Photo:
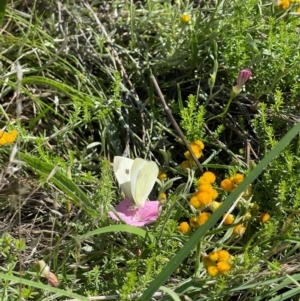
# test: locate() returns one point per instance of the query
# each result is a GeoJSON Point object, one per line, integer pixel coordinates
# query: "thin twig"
{"type": "Point", "coordinates": [176, 126]}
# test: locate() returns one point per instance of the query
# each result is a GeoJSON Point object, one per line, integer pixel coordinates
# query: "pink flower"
{"type": "Point", "coordinates": [242, 78]}
{"type": "Point", "coordinates": [140, 216]}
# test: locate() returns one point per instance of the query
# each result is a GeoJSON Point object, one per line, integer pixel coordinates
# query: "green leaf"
{"type": "Point", "coordinates": [61, 181]}
{"type": "Point", "coordinates": [119, 228]}
{"type": "Point", "coordinates": [197, 236]}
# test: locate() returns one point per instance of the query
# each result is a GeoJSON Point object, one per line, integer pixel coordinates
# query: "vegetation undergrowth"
{"type": "Point", "coordinates": [77, 90]}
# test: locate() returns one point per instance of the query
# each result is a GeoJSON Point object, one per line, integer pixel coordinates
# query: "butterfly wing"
{"type": "Point", "coordinates": [143, 177]}
{"type": "Point", "coordinates": [122, 170]}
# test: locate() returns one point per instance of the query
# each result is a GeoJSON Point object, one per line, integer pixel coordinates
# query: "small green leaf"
{"type": "Point", "coordinates": [119, 228]}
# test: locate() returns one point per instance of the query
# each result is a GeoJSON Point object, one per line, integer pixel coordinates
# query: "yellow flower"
{"type": "Point", "coordinates": [211, 178]}
{"type": "Point", "coordinates": [203, 217]}
{"type": "Point", "coordinates": [187, 164]}
{"type": "Point", "coordinates": [184, 228]}
{"type": "Point", "coordinates": [214, 194]}
{"type": "Point", "coordinates": [204, 198]}
{"type": "Point", "coordinates": [213, 206]}
{"type": "Point", "coordinates": [239, 230]}
{"type": "Point", "coordinates": [223, 255]}
{"type": "Point", "coordinates": [199, 144]}
{"type": "Point", "coordinates": [195, 149]}
{"type": "Point", "coordinates": [202, 181]}
{"type": "Point", "coordinates": [298, 10]}
{"type": "Point", "coordinates": [206, 187]}
{"type": "Point", "coordinates": [226, 185]}
{"type": "Point", "coordinates": [223, 267]}
{"type": "Point", "coordinates": [162, 175]}
{"type": "Point", "coordinates": [237, 179]}
{"type": "Point", "coordinates": [195, 202]}
{"type": "Point", "coordinates": [209, 189]}
{"type": "Point", "coordinates": [284, 4]}
{"type": "Point", "coordinates": [213, 271]}
{"type": "Point", "coordinates": [229, 219]}
{"type": "Point", "coordinates": [194, 222]}
{"type": "Point", "coordinates": [8, 138]}
{"type": "Point", "coordinates": [264, 217]}
{"type": "Point", "coordinates": [185, 18]}
{"type": "Point", "coordinates": [162, 197]}
{"type": "Point", "coordinates": [207, 262]}
{"type": "Point", "coordinates": [213, 256]}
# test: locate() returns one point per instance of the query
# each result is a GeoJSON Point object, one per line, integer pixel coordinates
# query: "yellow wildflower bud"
{"type": "Point", "coordinates": [239, 230]}
{"type": "Point", "coordinates": [227, 185]}
{"type": "Point", "coordinates": [162, 197]}
{"type": "Point", "coordinates": [207, 262]}
{"type": "Point", "coordinates": [203, 217]}
{"type": "Point", "coordinates": [204, 198]}
{"type": "Point", "coordinates": [284, 4]}
{"type": "Point", "coordinates": [184, 228]}
{"type": "Point", "coordinates": [213, 256]}
{"type": "Point", "coordinates": [162, 175]}
{"type": "Point", "coordinates": [264, 217]}
{"type": "Point", "coordinates": [185, 18]}
{"type": "Point", "coordinates": [223, 267]}
{"type": "Point", "coordinates": [223, 255]}
{"type": "Point", "coordinates": [197, 152]}
{"type": "Point", "coordinates": [194, 222]}
{"type": "Point", "coordinates": [213, 271]}
{"type": "Point", "coordinates": [210, 176]}
{"type": "Point", "coordinates": [195, 202]}
{"type": "Point", "coordinates": [229, 219]}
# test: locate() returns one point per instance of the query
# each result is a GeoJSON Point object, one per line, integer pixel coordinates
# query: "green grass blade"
{"type": "Point", "coordinates": [197, 236]}
{"type": "Point", "coordinates": [61, 181]}
{"type": "Point", "coordinates": [119, 228]}
{"type": "Point", "coordinates": [43, 287]}
{"type": "Point", "coordinates": [2, 10]}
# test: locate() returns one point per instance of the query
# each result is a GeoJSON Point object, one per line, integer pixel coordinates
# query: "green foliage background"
{"type": "Point", "coordinates": [75, 83]}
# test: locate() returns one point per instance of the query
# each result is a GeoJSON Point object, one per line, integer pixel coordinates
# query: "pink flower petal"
{"type": "Point", "coordinates": [140, 216]}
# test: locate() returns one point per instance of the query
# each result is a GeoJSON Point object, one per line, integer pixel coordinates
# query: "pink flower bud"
{"type": "Point", "coordinates": [242, 78]}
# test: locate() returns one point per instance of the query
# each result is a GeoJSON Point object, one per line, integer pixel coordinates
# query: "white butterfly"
{"type": "Point", "coordinates": [136, 178]}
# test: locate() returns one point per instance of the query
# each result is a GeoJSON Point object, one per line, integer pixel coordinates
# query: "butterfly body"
{"type": "Point", "coordinates": [136, 178]}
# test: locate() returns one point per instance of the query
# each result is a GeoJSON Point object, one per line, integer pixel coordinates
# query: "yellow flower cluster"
{"type": "Point", "coordinates": [217, 262]}
{"type": "Point", "coordinates": [205, 199]}
{"type": "Point", "coordinates": [197, 148]}
{"type": "Point", "coordinates": [8, 138]}
{"type": "Point", "coordinates": [205, 193]}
